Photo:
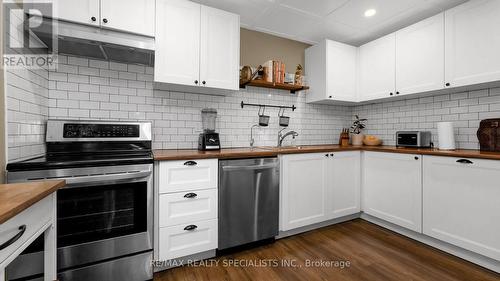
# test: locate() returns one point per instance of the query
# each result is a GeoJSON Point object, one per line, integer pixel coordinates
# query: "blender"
{"type": "Point", "coordinates": [209, 139]}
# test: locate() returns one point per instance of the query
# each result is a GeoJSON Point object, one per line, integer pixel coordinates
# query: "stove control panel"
{"type": "Point", "coordinates": [100, 131]}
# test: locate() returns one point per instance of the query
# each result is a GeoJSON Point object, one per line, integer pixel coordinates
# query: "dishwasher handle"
{"type": "Point", "coordinates": [249, 168]}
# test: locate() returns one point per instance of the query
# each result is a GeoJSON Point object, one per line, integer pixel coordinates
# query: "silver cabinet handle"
{"type": "Point", "coordinates": [190, 163]}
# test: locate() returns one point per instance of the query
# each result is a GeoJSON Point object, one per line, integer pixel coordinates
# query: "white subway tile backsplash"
{"type": "Point", "coordinates": [81, 89]}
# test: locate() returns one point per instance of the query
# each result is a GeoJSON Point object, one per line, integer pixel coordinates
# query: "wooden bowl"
{"type": "Point", "coordinates": [372, 141]}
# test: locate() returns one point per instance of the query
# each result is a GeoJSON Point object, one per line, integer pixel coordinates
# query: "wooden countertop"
{"type": "Point", "coordinates": [232, 153]}
{"type": "Point", "coordinates": [16, 197]}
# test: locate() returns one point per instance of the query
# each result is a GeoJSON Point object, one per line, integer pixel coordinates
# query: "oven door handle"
{"type": "Point", "coordinates": [108, 177]}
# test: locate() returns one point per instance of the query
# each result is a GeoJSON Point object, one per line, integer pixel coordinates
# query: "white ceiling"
{"type": "Point", "coordinates": [340, 20]}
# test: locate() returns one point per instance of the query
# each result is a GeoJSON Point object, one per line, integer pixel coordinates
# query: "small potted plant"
{"type": "Point", "coordinates": [357, 126]}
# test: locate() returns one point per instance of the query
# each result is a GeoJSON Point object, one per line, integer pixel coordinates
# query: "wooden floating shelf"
{"type": "Point", "coordinates": [263, 84]}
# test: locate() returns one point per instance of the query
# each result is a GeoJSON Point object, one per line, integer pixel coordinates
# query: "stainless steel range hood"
{"type": "Point", "coordinates": [95, 42]}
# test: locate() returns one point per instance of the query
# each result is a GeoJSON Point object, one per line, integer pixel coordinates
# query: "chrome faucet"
{"type": "Point", "coordinates": [282, 137]}
{"type": "Point", "coordinates": [252, 140]}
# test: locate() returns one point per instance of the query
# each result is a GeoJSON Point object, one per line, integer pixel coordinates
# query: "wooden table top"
{"type": "Point", "coordinates": [233, 153]}
{"type": "Point", "coordinates": [16, 197]}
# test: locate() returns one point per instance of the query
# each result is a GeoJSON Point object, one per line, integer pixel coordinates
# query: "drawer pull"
{"type": "Point", "coordinates": [190, 195]}
{"type": "Point", "coordinates": [9, 242]}
{"type": "Point", "coordinates": [190, 227]}
{"type": "Point", "coordinates": [190, 163]}
{"type": "Point", "coordinates": [464, 161]}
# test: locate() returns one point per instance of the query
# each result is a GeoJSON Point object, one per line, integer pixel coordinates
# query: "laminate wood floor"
{"type": "Point", "coordinates": [374, 253]}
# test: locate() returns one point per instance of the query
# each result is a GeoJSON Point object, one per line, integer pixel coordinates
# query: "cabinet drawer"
{"type": "Point", "coordinates": [177, 241]}
{"type": "Point", "coordinates": [183, 207]}
{"type": "Point", "coordinates": [31, 220]}
{"type": "Point", "coordinates": [176, 176]}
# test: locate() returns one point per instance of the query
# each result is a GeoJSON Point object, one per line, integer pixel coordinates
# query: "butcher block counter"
{"type": "Point", "coordinates": [234, 153]}
{"type": "Point", "coordinates": [28, 210]}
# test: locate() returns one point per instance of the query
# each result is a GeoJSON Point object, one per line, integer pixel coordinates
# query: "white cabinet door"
{"type": "Point", "coordinates": [220, 49]}
{"type": "Point", "coordinates": [79, 11]}
{"type": "Point", "coordinates": [377, 68]}
{"type": "Point", "coordinates": [392, 188]}
{"type": "Point", "coordinates": [461, 203]}
{"type": "Point", "coordinates": [331, 70]}
{"type": "Point", "coordinates": [343, 191]}
{"type": "Point", "coordinates": [303, 189]}
{"type": "Point", "coordinates": [129, 15]}
{"type": "Point", "coordinates": [177, 40]}
{"type": "Point", "coordinates": [472, 41]}
{"type": "Point", "coordinates": [341, 71]}
{"type": "Point", "coordinates": [420, 56]}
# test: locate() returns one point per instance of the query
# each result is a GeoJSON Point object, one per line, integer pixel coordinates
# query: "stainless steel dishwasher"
{"type": "Point", "coordinates": [248, 201]}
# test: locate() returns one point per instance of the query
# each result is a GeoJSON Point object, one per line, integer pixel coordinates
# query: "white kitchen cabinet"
{"type": "Point", "coordinates": [177, 58]}
{"type": "Point", "coordinates": [129, 15]}
{"type": "Point", "coordinates": [472, 41]}
{"type": "Point", "coordinates": [461, 203]}
{"type": "Point", "coordinates": [303, 189]}
{"type": "Point", "coordinates": [124, 15]}
{"type": "Point", "coordinates": [78, 11]}
{"type": "Point", "coordinates": [331, 70]}
{"type": "Point", "coordinates": [317, 187]}
{"type": "Point", "coordinates": [187, 239]}
{"type": "Point", "coordinates": [377, 68]}
{"type": "Point", "coordinates": [183, 207]}
{"type": "Point", "coordinates": [343, 184]}
{"type": "Point", "coordinates": [186, 207]}
{"type": "Point", "coordinates": [392, 188]}
{"type": "Point", "coordinates": [177, 176]}
{"type": "Point", "coordinates": [220, 49]}
{"type": "Point", "coordinates": [196, 46]}
{"type": "Point", "coordinates": [420, 56]}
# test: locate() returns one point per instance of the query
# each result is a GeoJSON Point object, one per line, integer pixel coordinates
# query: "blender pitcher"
{"type": "Point", "coordinates": [208, 117]}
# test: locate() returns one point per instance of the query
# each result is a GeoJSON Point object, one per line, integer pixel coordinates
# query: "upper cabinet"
{"type": "Point", "coordinates": [79, 11]}
{"type": "Point", "coordinates": [472, 43]}
{"type": "Point", "coordinates": [220, 49]}
{"type": "Point", "coordinates": [331, 70]}
{"type": "Point", "coordinates": [420, 57]}
{"type": "Point", "coordinates": [129, 15]}
{"type": "Point", "coordinates": [377, 68]}
{"type": "Point", "coordinates": [177, 58]}
{"type": "Point", "coordinates": [197, 46]}
{"type": "Point", "coordinates": [125, 15]}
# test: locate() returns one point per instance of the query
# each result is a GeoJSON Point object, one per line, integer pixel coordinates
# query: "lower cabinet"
{"type": "Point", "coordinates": [316, 187]}
{"type": "Point", "coordinates": [461, 203]}
{"type": "Point", "coordinates": [344, 179]}
{"type": "Point", "coordinates": [187, 207]}
{"type": "Point", "coordinates": [392, 188]}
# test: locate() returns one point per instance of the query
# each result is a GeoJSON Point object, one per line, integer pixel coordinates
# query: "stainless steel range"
{"type": "Point", "coordinates": [105, 213]}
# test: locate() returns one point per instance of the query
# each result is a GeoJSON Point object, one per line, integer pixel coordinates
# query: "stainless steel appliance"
{"type": "Point", "coordinates": [248, 201]}
{"type": "Point", "coordinates": [105, 213]}
{"type": "Point", "coordinates": [421, 139]}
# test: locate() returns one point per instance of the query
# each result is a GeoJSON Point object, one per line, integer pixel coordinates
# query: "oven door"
{"type": "Point", "coordinates": [103, 213]}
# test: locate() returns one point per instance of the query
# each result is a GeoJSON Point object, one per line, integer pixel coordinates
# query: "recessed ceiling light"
{"type": "Point", "coordinates": [370, 13]}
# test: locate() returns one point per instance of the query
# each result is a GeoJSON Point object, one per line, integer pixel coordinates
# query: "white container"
{"type": "Point", "coordinates": [446, 136]}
